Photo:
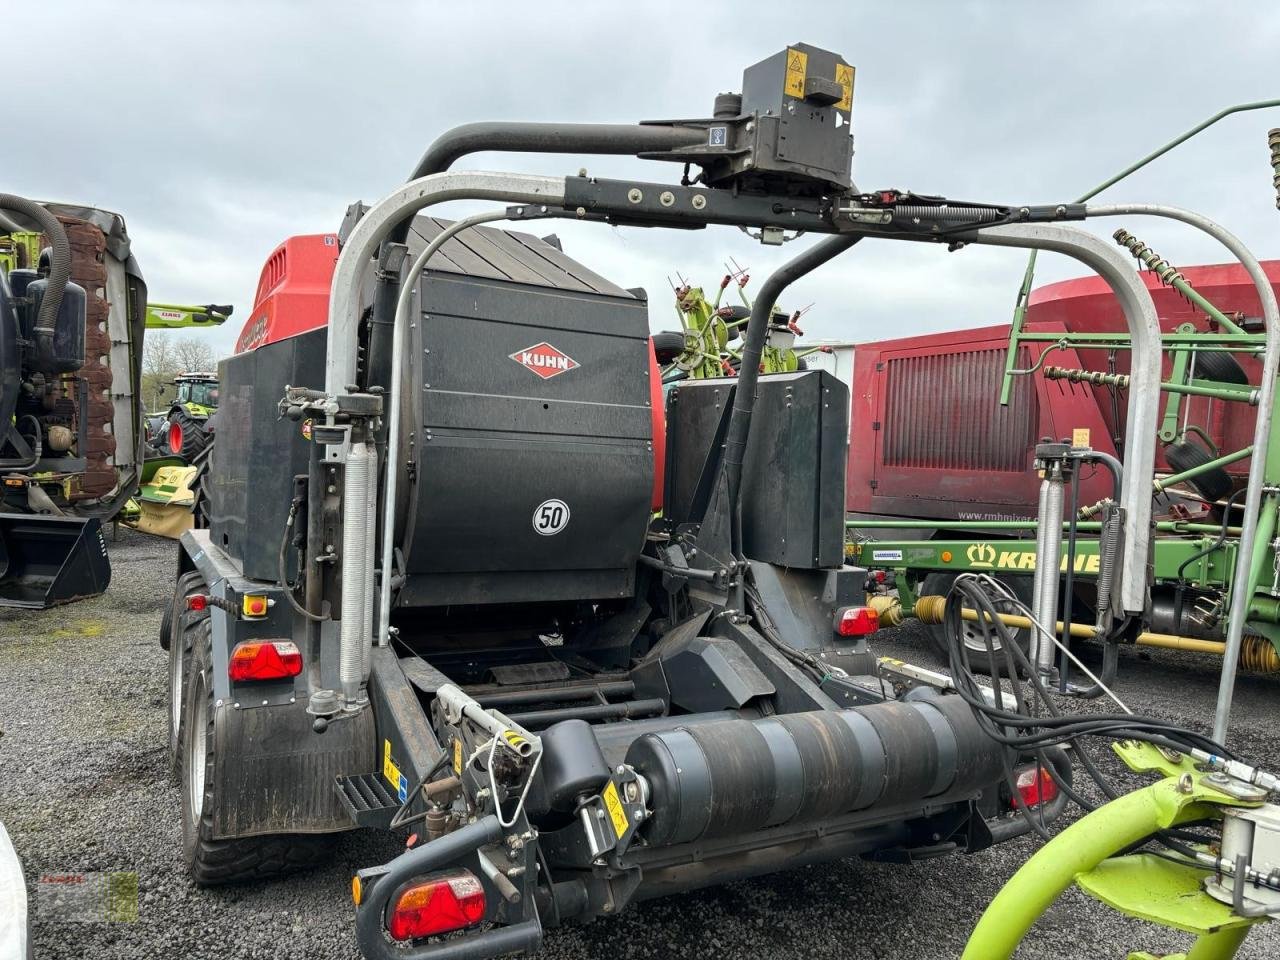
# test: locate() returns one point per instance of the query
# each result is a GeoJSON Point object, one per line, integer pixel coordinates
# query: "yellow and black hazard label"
{"type": "Point", "coordinates": [457, 755]}
{"type": "Point", "coordinates": [844, 77]}
{"type": "Point", "coordinates": [514, 740]}
{"type": "Point", "coordinates": [613, 803]}
{"type": "Point", "coordinates": [797, 67]}
{"type": "Point", "coordinates": [1080, 437]}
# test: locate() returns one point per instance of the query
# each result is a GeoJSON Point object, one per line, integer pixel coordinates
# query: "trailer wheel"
{"type": "Point", "coordinates": [200, 486]}
{"type": "Point", "coordinates": [178, 630]}
{"type": "Point", "coordinates": [214, 862]}
{"type": "Point", "coordinates": [940, 583]}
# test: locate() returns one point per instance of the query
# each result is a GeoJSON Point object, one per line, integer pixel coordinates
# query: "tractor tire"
{"type": "Point", "coordinates": [979, 659]}
{"type": "Point", "coordinates": [1213, 484]}
{"type": "Point", "coordinates": [1219, 367]}
{"type": "Point", "coordinates": [200, 487]}
{"type": "Point", "coordinates": [212, 862]}
{"type": "Point", "coordinates": [178, 631]}
{"type": "Point", "coordinates": [194, 435]}
{"type": "Point", "coordinates": [668, 345]}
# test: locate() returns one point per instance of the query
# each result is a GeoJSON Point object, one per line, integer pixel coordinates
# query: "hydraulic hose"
{"type": "Point", "coordinates": [59, 268]}
{"type": "Point", "coordinates": [744, 397]}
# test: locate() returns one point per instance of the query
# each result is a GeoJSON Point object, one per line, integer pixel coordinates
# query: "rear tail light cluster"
{"type": "Point", "coordinates": [856, 621]}
{"type": "Point", "coordinates": [264, 660]}
{"type": "Point", "coordinates": [438, 905]}
{"type": "Point", "coordinates": [1035, 786]}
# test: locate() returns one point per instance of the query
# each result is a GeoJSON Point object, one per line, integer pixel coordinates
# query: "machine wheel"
{"type": "Point", "coordinates": [668, 345]}
{"type": "Point", "coordinates": [1213, 484]}
{"type": "Point", "coordinates": [1219, 367]}
{"type": "Point", "coordinates": [200, 486]}
{"type": "Point", "coordinates": [187, 436]}
{"type": "Point", "coordinates": [178, 630]}
{"type": "Point", "coordinates": [213, 862]}
{"type": "Point", "coordinates": [940, 583]}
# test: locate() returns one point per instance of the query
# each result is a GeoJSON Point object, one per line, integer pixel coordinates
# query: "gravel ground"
{"type": "Point", "coordinates": [83, 787]}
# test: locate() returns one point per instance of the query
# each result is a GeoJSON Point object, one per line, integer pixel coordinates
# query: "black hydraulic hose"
{"type": "Point", "coordinates": [59, 267]}
{"type": "Point", "coordinates": [8, 226]}
{"type": "Point", "coordinates": [744, 397]}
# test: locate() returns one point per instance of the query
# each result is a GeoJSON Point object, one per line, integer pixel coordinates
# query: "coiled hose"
{"type": "Point", "coordinates": [59, 268]}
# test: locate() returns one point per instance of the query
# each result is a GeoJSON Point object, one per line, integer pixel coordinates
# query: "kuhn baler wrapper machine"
{"type": "Point", "coordinates": [434, 593]}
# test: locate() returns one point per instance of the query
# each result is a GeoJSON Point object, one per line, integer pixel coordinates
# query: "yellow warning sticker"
{"type": "Point", "coordinates": [390, 772]}
{"type": "Point", "coordinates": [457, 756]}
{"type": "Point", "coordinates": [613, 803]}
{"type": "Point", "coordinates": [1080, 437]}
{"type": "Point", "coordinates": [844, 77]}
{"type": "Point", "coordinates": [797, 66]}
{"type": "Point", "coordinates": [514, 740]}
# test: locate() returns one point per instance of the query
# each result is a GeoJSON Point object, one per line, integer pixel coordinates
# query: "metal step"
{"type": "Point", "coordinates": [367, 800]}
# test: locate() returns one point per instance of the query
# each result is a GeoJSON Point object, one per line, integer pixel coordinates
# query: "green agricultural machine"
{"type": "Point", "coordinates": [703, 347]}
{"type": "Point", "coordinates": [188, 430]}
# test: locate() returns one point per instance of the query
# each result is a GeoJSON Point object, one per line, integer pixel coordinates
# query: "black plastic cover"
{"type": "Point", "coordinates": [68, 330]}
{"type": "Point", "coordinates": [794, 469]}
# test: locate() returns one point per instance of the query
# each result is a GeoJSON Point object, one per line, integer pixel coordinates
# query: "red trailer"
{"type": "Point", "coordinates": [930, 440]}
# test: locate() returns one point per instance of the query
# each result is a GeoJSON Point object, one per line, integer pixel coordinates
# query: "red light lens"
{"type": "Point", "coordinates": [439, 905]}
{"type": "Point", "coordinates": [856, 621]}
{"type": "Point", "coordinates": [175, 437]}
{"type": "Point", "coordinates": [264, 660]}
{"type": "Point", "coordinates": [1035, 785]}
{"type": "Point", "coordinates": [197, 602]}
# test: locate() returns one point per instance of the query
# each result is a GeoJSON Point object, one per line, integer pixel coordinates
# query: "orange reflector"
{"type": "Point", "coordinates": [856, 621]}
{"type": "Point", "coordinates": [357, 890]}
{"type": "Point", "coordinates": [1035, 785]}
{"type": "Point", "coordinates": [438, 905]}
{"type": "Point", "coordinates": [946, 556]}
{"type": "Point", "coordinates": [264, 660]}
{"type": "Point", "coordinates": [14, 482]}
{"type": "Point", "coordinates": [255, 605]}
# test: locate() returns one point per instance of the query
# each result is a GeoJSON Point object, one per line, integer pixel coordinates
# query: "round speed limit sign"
{"type": "Point", "coordinates": [550, 517]}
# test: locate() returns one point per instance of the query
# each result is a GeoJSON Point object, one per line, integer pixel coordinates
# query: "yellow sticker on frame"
{"type": "Point", "coordinates": [844, 77]}
{"type": "Point", "coordinates": [797, 67]}
{"type": "Point", "coordinates": [613, 803]}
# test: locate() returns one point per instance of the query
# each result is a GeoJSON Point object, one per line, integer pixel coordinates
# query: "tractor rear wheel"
{"type": "Point", "coordinates": [210, 861]}
{"type": "Point", "coordinates": [187, 436]}
{"type": "Point", "coordinates": [981, 661]}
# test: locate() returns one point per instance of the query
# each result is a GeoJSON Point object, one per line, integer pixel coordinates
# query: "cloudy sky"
{"type": "Point", "coordinates": [220, 127]}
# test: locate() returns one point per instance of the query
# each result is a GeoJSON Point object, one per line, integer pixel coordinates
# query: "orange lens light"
{"type": "Point", "coordinates": [946, 556]}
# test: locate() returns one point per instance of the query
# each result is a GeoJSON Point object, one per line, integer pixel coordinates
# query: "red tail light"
{"type": "Point", "coordinates": [438, 905]}
{"type": "Point", "coordinates": [264, 660]}
{"type": "Point", "coordinates": [1035, 785]}
{"type": "Point", "coordinates": [175, 437]}
{"type": "Point", "coordinates": [856, 621]}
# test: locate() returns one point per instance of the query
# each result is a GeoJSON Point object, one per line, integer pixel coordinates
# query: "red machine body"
{"type": "Point", "coordinates": [293, 291]}
{"type": "Point", "coordinates": [929, 439]}
{"type": "Point", "coordinates": [293, 297]}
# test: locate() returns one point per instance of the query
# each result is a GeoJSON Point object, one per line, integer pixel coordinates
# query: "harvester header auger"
{"type": "Point", "coordinates": [479, 578]}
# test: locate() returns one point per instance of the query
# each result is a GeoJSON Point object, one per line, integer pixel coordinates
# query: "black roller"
{"type": "Point", "coordinates": [737, 776]}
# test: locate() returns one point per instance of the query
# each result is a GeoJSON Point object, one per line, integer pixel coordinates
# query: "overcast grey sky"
{"type": "Point", "coordinates": [219, 128]}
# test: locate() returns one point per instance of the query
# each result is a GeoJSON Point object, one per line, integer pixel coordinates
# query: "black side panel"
{"type": "Point", "coordinates": [794, 471]}
{"type": "Point", "coordinates": [257, 454]}
{"type": "Point", "coordinates": [523, 396]}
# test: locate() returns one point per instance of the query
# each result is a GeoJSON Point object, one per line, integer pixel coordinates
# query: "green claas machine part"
{"type": "Point", "coordinates": [703, 347]}
{"type": "Point", "coordinates": [188, 431]}
{"type": "Point", "coordinates": [1215, 890]}
{"type": "Point", "coordinates": [173, 316]}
